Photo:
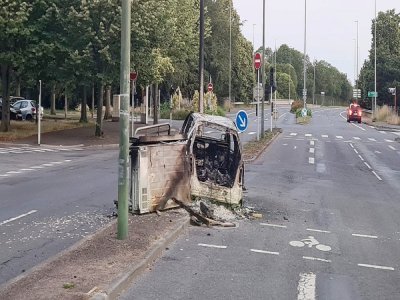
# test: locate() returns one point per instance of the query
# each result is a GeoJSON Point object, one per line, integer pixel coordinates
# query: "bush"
{"type": "Point", "coordinates": [296, 104]}
{"type": "Point", "coordinates": [298, 113]}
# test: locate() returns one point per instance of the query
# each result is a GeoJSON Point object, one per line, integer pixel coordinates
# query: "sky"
{"type": "Point", "coordinates": [331, 27]}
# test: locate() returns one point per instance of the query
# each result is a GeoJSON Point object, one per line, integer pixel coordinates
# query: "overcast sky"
{"type": "Point", "coordinates": [331, 27]}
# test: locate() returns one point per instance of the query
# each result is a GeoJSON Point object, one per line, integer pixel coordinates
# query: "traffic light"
{"type": "Point", "coordinates": [271, 77]}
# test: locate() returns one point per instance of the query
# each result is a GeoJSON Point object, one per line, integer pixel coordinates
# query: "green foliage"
{"type": "Point", "coordinates": [296, 105]}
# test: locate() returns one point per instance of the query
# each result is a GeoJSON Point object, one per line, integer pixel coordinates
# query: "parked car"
{"type": "Point", "coordinates": [26, 109]}
{"type": "Point", "coordinates": [354, 113]}
{"type": "Point", "coordinates": [13, 112]}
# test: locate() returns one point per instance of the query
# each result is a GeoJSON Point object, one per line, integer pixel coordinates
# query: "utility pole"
{"type": "Point", "coordinates": [123, 167]}
{"type": "Point", "coordinates": [263, 73]}
{"type": "Point", "coordinates": [304, 63]}
{"type": "Point", "coordinates": [374, 107]}
{"type": "Point", "coordinates": [230, 52]}
{"type": "Point", "coordinates": [357, 61]}
{"type": "Point", "coordinates": [201, 58]}
{"type": "Point", "coordinates": [313, 92]}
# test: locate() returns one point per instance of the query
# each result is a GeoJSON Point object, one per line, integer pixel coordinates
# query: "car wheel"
{"type": "Point", "coordinates": [348, 120]}
{"type": "Point", "coordinates": [28, 118]}
{"type": "Point", "coordinates": [359, 121]}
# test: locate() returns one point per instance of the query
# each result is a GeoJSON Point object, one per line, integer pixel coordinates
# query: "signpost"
{"type": "Point", "coordinates": [133, 76]}
{"type": "Point", "coordinates": [257, 65]}
{"type": "Point", "coordinates": [372, 94]}
{"type": "Point", "coordinates": [393, 91]}
{"type": "Point", "coordinates": [242, 120]}
{"type": "Point", "coordinates": [210, 87]}
{"type": "Point", "coordinates": [356, 93]}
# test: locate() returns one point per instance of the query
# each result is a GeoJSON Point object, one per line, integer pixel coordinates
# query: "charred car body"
{"type": "Point", "coordinates": [203, 160]}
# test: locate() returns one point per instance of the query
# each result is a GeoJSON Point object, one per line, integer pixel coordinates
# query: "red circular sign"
{"type": "Point", "coordinates": [257, 61]}
{"type": "Point", "coordinates": [210, 87]}
{"type": "Point", "coordinates": [133, 75]}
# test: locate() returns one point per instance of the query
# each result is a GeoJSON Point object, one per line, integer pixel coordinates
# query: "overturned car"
{"type": "Point", "coordinates": [203, 160]}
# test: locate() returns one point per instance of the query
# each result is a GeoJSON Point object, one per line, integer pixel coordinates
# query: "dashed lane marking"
{"type": "Point", "coordinates": [391, 147]}
{"type": "Point", "coordinates": [383, 132]}
{"type": "Point", "coordinates": [361, 157]}
{"type": "Point", "coordinates": [324, 136]}
{"type": "Point", "coordinates": [365, 235]}
{"type": "Point", "coordinates": [376, 267]}
{"type": "Point", "coordinates": [273, 225]}
{"type": "Point", "coordinates": [318, 230]}
{"type": "Point", "coordinates": [264, 252]}
{"type": "Point", "coordinates": [18, 217]}
{"type": "Point", "coordinates": [317, 259]}
{"type": "Point", "coordinates": [311, 160]}
{"type": "Point", "coordinates": [368, 166]}
{"type": "Point", "coordinates": [372, 139]}
{"type": "Point", "coordinates": [308, 134]}
{"type": "Point", "coordinates": [312, 150]}
{"type": "Point", "coordinates": [212, 246]}
{"type": "Point", "coordinates": [356, 138]}
{"type": "Point", "coordinates": [377, 176]}
{"type": "Point", "coordinates": [312, 143]}
{"type": "Point", "coordinates": [339, 137]}
{"type": "Point", "coordinates": [355, 150]}
{"type": "Point", "coordinates": [293, 134]}
{"type": "Point", "coordinates": [389, 141]}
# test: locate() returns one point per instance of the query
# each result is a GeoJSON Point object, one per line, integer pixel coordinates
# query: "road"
{"type": "Point", "coordinates": [329, 195]}
{"type": "Point", "coordinates": [51, 197]}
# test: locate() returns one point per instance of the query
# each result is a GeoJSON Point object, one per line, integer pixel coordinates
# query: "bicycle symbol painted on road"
{"type": "Point", "coordinates": [310, 242]}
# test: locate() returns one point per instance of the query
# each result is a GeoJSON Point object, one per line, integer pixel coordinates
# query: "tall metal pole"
{"type": "Point", "coordinates": [254, 50]}
{"type": "Point", "coordinates": [230, 52]}
{"type": "Point", "coordinates": [123, 167]}
{"type": "Point", "coordinates": [375, 61]}
{"type": "Point", "coordinates": [357, 61]}
{"type": "Point", "coordinates": [263, 73]}
{"type": "Point", "coordinates": [38, 111]}
{"type": "Point", "coordinates": [201, 58]}
{"type": "Point", "coordinates": [313, 92]}
{"type": "Point", "coordinates": [304, 63]}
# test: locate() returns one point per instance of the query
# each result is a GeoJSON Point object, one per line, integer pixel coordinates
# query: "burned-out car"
{"type": "Point", "coordinates": [203, 160]}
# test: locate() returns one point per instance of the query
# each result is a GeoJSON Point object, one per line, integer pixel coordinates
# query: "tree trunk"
{"type": "Point", "coordinates": [83, 107]}
{"type": "Point", "coordinates": [99, 119]}
{"type": "Point", "coordinates": [155, 103]}
{"type": "Point", "coordinates": [65, 105]}
{"type": "Point", "coordinates": [18, 87]}
{"type": "Point", "coordinates": [107, 114]}
{"type": "Point", "coordinates": [5, 84]}
{"type": "Point", "coordinates": [93, 101]}
{"type": "Point", "coordinates": [53, 99]}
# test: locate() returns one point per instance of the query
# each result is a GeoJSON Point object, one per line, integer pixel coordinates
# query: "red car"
{"type": "Point", "coordinates": [354, 113]}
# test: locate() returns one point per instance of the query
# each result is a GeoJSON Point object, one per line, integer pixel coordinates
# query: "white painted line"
{"type": "Point", "coordinates": [391, 147]}
{"type": "Point", "coordinates": [67, 160]}
{"type": "Point", "coordinates": [376, 267]}
{"type": "Point", "coordinates": [252, 132]}
{"type": "Point", "coordinates": [377, 176]}
{"type": "Point", "coordinates": [377, 152]}
{"type": "Point", "coordinates": [372, 139]}
{"type": "Point", "coordinates": [4, 175]}
{"type": "Point", "coordinates": [57, 162]}
{"type": "Point", "coordinates": [306, 286]}
{"type": "Point", "coordinates": [13, 172]}
{"type": "Point", "coordinates": [389, 141]}
{"type": "Point", "coordinates": [318, 230]}
{"type": "Point", "coordinates": [311, 160]}
{"type": "Point", "coordinates": [18, 217]}
{"type": "Point", "coordinates": [312, 150]}
{"type": "Point", "coordinates": [37, 167]}
{"type": "Point", "coordinates": [360, 157]}
{"type": "Point", "coordinates": [27, 170]}
{"type": "Point", "coordinates": [312, 143]}
{"type": "Point", "coordinates": [293, 134]}
{"type": "Point", "coordinates": [371, 127]}
{"type": "Point", "coordinates": [356, 138]}
{"type": "Point", "coordinates": [273, 225]}
{"type": "Point", "coordinates": [265, 252]}
{"type": "Point", "coordinates": [324, 135]}
{"type": "Point", "coordinates": [339, 137]}
{"type": "Point", "coordinates": [383, 132]}
{"type": "Point", "coordinates": [365, 235]}
{"type": "Point", "coordinates": [47, 165]}
{"type": "Point", "coordinates": [363, 129]}
{"type": "Point", "coordinates": [355, 150]}
{"type": "Point", "coordinates": [368, 166]}
{"type": "Point", "coordinates": [212, 246]}
{"type": "Point", "coordinates": [308, 134]}
{"type": "Point", "coordinates": [351, 145]}
{"type": "Point", "coordinates": [317, 259]}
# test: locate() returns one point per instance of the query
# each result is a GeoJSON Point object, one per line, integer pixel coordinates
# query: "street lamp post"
{"type": "Point", "coordinates": [375, 61]}
{"type": "Point", "coordinates": [201, 58]}
{"type": "Point", "coordinates": [313, 92]}
{"type": "Point", "coordinates": [263, 73]}
{"type": "Point", "coordinates": [230, 52]}
{"type": "Point", "coordinates": [356, 82]}
{"type": "Point", "coordinates": [304, 63]}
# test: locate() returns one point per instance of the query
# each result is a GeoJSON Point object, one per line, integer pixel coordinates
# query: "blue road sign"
{"type": "Point", "coordinates": [242, 120]}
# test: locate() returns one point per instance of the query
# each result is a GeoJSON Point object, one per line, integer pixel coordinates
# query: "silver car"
{"type": "Point", "coordinates": [26, 109]}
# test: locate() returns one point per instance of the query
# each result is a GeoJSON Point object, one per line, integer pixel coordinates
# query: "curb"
{"type": "Point", "coordinates": [125, 279]}
{"type": "Point", "coordinates": [263, 149]}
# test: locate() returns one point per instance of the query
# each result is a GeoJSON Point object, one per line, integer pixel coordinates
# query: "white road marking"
{"type": "Point", "coordinates": [265, 252]}
{"type": "Point", "coordinates": [377, 176]}
{"type": "Point", "coordinates": [273, 225]}
{"type": "Point", "coordinates": [376, 267]}
{"type": "Point", "coordinates": [324, 135]}
{"type": "Point", "coordinates": [383, 132]}
{"type": "Point", "coordinates": [355, 150]}
{"type": "Point", "coordinates": [378, 152]}
{"type": "Point", "coordinates": [293, 134]}
{"type": "Point", "coordinates": [339, 137]}
{"type": "Point", "coordinates": [295, 147]}
{"type": "Point", "coordinates": [391, 147]}
{"type": "Point", "coordinates": [371, 126]}
{"type": "Point", "coordinates": [47, 165]}
{"type": "Point", "coordinates": [4, 175]}
{"type": "Point", "coordinates": [363, 129]}
{"type": "Point", "coordinates": [212, 246]}
{"type": "Point", "coordinates": [372, 139]}
{"type": "Point", "coordinates": [67, 160]}
{"type": "Point", "coordinates": [361, 157]}
{"type": "Point", "coordinates": [312, 150]}
{"type": "Point", "coordinates": [351, 145]}
{"type": "Point", "coordinates": [308, 134]}
{"type": "Point", "coordinates": [369, 167]}
{"type": "Point", "coordinates": [284, 144]}
{"type": "Point", "coordinates": [312, 143]}
{"type": "Point", "coordinates": [311, 160]}
{"type": "Point", "coordinates": [27, 170]}
{"type": "Point", "coordinates": [13, 172]}
{"type": "Point", "coordinates": [318, 230]}
{"type": "Point", "coordinates": [306, 286]}
{"type": "Point", "coordinates": [356, 138]}
{"type": "Point", "coordinates": [365, 235]}
{"type": "Point", "coordinates": [317, 259]}
{"type": "Point", "coordinates": [389, 141]}
{"type": "Point", "coordinates": [252, 132]}
{"type": "Point", "coordinates": [18, 217]}
{"type": "Point", "coordinates": [396, 133]}
{"type": "Point", "coordinates": [37, 167]}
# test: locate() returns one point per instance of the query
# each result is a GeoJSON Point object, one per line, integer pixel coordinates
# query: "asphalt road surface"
{"type": "Point", "coordinates": [51, 197]}
{"type": "Point", "coordinates": [329, 195]}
